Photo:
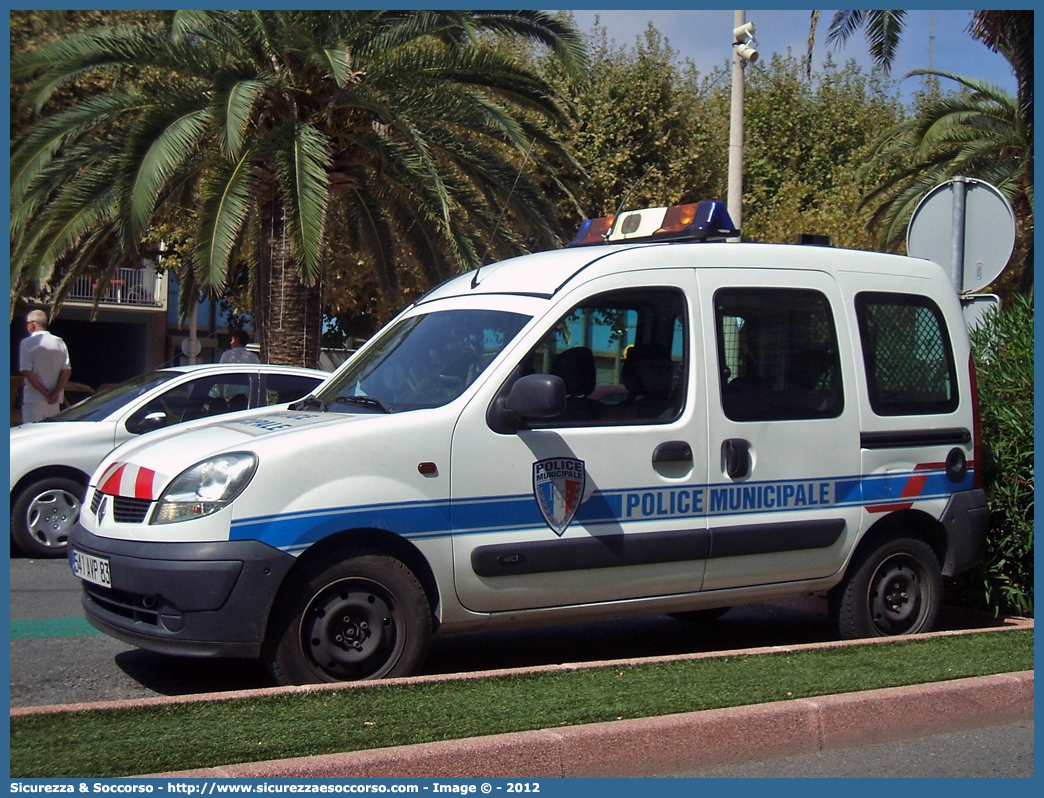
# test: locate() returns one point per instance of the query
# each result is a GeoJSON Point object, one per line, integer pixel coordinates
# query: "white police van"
{"type": "Point", "coordinates": [664, 423]}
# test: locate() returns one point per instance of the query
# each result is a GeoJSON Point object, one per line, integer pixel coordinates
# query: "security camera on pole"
{"type": "Point", "coordinates": [742, 52]}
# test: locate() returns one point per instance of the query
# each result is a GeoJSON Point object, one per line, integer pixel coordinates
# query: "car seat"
{"type": "Point", "coordinates": [648, 374]}
{"type": "Point", "coordinates": [576, 367]}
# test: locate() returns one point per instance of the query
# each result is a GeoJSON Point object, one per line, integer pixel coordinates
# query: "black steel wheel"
{"type": "Point", "coordinates": [366, 617]}
{"type": "Point", "coordinates": [893, 588]}
{"type": "Point", "coordinates": [44, 514]}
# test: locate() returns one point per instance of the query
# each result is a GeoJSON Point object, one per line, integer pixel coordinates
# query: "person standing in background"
{"type": "Point", "coordinates": [43, 360]}
{"type": "Point", "coordinates": [239, 353]}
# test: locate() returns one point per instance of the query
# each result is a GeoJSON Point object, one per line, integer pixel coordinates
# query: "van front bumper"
{"type": "Point", "coordinates": [196, 599]}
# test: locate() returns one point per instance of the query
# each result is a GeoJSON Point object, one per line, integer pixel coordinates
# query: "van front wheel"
{"type": "Point", "coordinates": [891, 589]}
{"type": "Point", "coordinates": [366, 617]}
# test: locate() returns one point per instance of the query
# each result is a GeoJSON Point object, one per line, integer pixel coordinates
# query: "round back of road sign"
{"type": "Point", "coordinates": [970, 210]}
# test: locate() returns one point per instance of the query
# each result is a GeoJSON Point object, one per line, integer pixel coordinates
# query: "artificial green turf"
{"type": "Point", "coordinates": [109, 743]}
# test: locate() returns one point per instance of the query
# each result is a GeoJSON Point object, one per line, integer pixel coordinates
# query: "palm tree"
{"type": "Point", "coordinates": [883, 31]}
{"type": "Point", "coordinates": [246, 126]}
{"type": "Point", "coordinates": [980, 132]}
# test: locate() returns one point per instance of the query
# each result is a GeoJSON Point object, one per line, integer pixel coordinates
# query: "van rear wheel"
{"type": "Point", "coordinates": [891, 589]}
{"type": "Point", "coordinates": [365, 617]}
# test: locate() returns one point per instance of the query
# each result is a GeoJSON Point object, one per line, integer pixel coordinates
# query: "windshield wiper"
{"type": "Point", "coordinates": [308, 403]}
{"type": "Point", "coordinates": [369, 401]}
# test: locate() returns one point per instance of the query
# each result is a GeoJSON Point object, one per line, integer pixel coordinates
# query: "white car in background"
{"type": "Point", "coordinates": [52, 460]}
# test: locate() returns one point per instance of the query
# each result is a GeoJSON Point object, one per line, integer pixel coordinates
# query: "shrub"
{"type": "Point", "coordinates": [1003, 352]}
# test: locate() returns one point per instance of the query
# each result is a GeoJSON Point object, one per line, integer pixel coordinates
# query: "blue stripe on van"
{"type": "Point", "coordinates": [623, 507]}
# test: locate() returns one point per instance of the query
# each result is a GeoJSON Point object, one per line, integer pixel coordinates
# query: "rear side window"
{"type": "Point", "coordinates": [907, 355]}
{"type": "Point", "coordinates": [777, 354]}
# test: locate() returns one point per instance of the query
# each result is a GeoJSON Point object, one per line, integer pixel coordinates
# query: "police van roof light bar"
{"type": "Point", "coordinates": [705, 221]}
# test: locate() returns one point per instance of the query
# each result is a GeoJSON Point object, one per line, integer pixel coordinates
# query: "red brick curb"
{"type": "Point", "coordinates": [676, 743]}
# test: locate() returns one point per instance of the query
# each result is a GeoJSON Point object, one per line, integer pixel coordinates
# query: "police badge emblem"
{"type": "Point", "coordinates": [558, 484]}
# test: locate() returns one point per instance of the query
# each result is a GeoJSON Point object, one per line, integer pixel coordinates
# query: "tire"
{"type": "Point", "coordinates": [365, 617]}
{"type": "Point", "coordinates": [894, 588]}
{"type": "Point", "coordinates": [44, 514]}
{"type": "Point", "coordinates": [700, 616]}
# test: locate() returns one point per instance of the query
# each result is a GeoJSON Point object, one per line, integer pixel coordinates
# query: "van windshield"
{"type": "Point", "coordinates": [421, 361]}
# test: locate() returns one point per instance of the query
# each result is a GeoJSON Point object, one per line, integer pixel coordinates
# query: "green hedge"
{"type": "Point", "coordinates": [1003, 350]}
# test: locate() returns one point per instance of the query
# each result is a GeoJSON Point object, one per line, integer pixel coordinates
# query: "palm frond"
{"type": "Point", "coordinates": [302, 165]}
{"type": "Point", "coordinates": [227, 192]}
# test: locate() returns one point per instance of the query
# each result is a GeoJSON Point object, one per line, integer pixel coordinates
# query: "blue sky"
{"type": "Point", "coordinates": [705, 36]}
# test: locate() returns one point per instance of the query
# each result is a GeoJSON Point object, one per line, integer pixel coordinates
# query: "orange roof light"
{"type": "Point", "coordinates": [677, 218]}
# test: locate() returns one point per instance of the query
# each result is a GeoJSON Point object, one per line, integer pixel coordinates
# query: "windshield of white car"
{"type": "Point", "coordinates": [421, 361]}
{"type": "Point", "coordinates": [101, 405]}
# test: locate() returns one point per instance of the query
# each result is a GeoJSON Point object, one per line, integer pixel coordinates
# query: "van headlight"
{"type": "Point", "coordinates": [205, 488]}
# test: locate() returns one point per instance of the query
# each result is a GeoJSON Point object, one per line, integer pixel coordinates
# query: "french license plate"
{"type": "Point", "coordinates": [91, 568]}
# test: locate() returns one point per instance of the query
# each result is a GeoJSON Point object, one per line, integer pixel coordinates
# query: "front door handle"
{"type": "Point", "coordinates": [672, 452]}
{"type": "Point", "coordinates": [735, 455]}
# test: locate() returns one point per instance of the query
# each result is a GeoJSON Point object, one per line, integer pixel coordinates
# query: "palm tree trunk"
{"type": "Point", "coordinates": [288, 313]}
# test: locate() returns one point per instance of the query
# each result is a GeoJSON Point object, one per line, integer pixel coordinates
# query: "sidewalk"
{"type": "Point", "coordinates": [659, 745]}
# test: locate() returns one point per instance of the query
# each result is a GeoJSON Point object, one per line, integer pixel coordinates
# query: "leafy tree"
{"type": "Point", "coordinates": [255, 124]}
{"type": "Point", "coordinates": [805, 147]}
{"type": "Point", "coordinates": [1003, 348]}
{"type": "Point", "coordinates": [641, 128]}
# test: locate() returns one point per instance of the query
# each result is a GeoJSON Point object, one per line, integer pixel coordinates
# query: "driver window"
{"type": "Point", "coordinates": [621, 356]}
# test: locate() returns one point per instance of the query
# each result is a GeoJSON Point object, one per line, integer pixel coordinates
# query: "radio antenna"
{"type": "Point", "coordinates": [620, 207]}
{"type": "Point", "coordinates": [474, 280]}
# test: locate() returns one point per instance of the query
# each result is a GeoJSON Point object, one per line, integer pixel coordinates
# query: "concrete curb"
{"type": "Point", "coordinates": [677, 743]}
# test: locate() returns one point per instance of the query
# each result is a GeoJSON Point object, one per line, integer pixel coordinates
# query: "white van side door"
{"type": "Point", "coordinates": [604, 502]}
{"type": "Point", "coordinates": [784, 501]}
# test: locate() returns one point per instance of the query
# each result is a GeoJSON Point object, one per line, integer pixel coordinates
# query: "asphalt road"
{"type": "Point", "coordinates": [57, 658]}
{"type": "Point", "coordinates": [999, 752]}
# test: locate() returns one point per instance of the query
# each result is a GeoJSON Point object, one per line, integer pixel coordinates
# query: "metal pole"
{"type": "Point", "coordinates": [957, 233]}
{"type": "Point", "coordinates": [735, 200]}
{"type": "Point", "coordinates": [193, 319]}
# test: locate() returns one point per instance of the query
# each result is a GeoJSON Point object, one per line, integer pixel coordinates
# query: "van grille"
{"type": "Point", "coordinates": [126, 510]}
{"type": "Point", "coordinates": [96, 502]}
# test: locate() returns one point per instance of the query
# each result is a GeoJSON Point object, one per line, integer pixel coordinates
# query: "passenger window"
{"type": "Point", "coordinates": [621, 356]}
{"type": "Point", "coordinates": [907, 355]}
{"type": "Point", "coordinates": [777, 354]}
{"type": "Point", "coordinates": [280, 389]}
{"type": "Point", "coordinates": [201, 398]}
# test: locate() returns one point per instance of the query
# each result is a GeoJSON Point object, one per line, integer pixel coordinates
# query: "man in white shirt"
{"type": "Point", "coordinates": [43, 360]}
{"type": "Point", "coordinates": [239, 353]}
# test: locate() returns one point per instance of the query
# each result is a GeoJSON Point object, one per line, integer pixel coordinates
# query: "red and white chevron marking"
{"type": "Point", "coordinates": [127, 479]}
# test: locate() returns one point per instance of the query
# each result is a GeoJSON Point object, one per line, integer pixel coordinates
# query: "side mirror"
{"type": "Point", "coordinates": [152, 421]}
{"type": "Point", "coordinates": [537, 396]}
{"type": "Point", "coordinates": [532, 396]}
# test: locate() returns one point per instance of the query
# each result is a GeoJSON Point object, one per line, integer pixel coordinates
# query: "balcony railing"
{"type": "Point", "coordinates": [143, 288]}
